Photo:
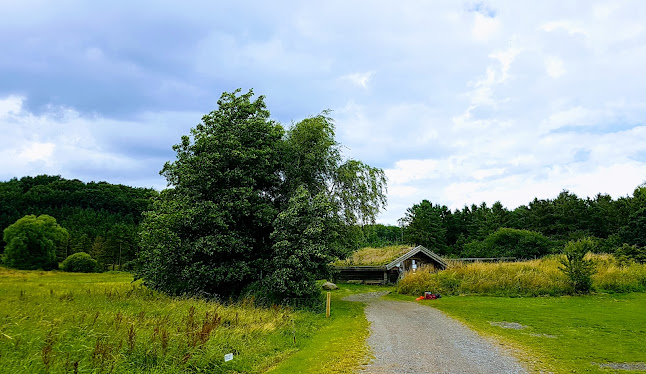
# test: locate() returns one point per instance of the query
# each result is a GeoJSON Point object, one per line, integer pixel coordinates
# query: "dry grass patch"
{"type": "Point", "coordinates": [526, 278]}
{"type": "Point", "coordinates": [370, 256]}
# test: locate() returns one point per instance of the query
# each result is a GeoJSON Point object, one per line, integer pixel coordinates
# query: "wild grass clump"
{"type": "Point", "coordinates": [75, 322]}
{"type": "Point", "coordinates": [370, 256]}
{"type": "Point", "coordinates": [618, 276]}
{"type": "Point", "coordinates": [526, 278]}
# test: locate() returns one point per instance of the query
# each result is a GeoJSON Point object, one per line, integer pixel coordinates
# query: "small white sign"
{"type": "Point", "coordinates": [228, 357]}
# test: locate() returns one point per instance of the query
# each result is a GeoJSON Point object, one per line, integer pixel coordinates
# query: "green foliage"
{"type": "Point", "coordinates": [32, 241]}
{"type": "Point", "coordinates": [506, 242]}
{"type": "Point", "coordinates": [209, 234]}
{"type": "Point", "coordinates": [423, 226]}
{"type": "Point", "coordinates": [627, 253]}
{"type": "Point", "coordinates": [379, 235]}
{"type": "Point", "coordinates": [80, 262]}
{"type": "Point", "coordinates": [564, 218]}
{"type": "Point", "coordinates": [238, 209]}
{"type": "Point", "coordinates": [86, 210]}
{"type": "Point", "coordinates": [306, 241]}
{"type": "Point", "coordinates": [312, 158]}
{"type": "Point", "coordinates": [578, 269]}
{"type": "Point", "coordinates": [634, 232]}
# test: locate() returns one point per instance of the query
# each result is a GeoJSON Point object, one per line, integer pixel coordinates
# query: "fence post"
{"type": "Point", "coordinates": [327, 305]}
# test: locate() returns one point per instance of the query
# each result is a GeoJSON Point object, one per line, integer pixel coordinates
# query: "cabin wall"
{"type": "Point", "coordinates": [382, 276]}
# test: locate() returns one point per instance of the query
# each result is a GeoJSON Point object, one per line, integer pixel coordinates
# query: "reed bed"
{"type": "Point", "coordinates": [53, 322]}
{"type": "Point", "coordinates": [527, 278]}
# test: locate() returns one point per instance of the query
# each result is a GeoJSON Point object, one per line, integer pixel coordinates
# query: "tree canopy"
{"type": "Point", "coordinates": [252, 205]}
{"type": "Point", "coordinates": [32, 241]}
{"type": "Point", "coordinates": [529, 230]}
{"type": "Point", "coordinates": [102, 218]}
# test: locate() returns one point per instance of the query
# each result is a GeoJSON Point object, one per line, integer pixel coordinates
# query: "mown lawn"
{"type": "Point", "coordinates": [568, 334]}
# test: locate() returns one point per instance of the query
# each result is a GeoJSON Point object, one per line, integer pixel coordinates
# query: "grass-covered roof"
{"type": "Point", "coordinates": [370, 256]}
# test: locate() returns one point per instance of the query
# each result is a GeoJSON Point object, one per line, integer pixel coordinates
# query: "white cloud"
{"type": "Point", "coordinates": [36, 152]}
{"type": "Point", "coordinates": [10, 105]}
{"type": "Point", "coordinates": [484, 27]}
{"type": "Point", "coordinates": [554, 66]}
{"type": "Point", "coordinates": [62, 141]}
{"type": "Point", "coordinates": [577, 116]}
{"type": "Point", "coordinates": [359, 79]}
{"type": "Point", "coordinates": [569, 27]}
{"type": "Point", "coordinates": [503, 102]}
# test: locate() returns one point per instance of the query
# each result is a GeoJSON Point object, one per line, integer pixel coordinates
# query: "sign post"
{"type": "Point", "coordinates": [327, 305]}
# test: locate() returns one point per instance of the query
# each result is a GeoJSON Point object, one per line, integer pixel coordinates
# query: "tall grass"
{"type": "Point", "coordinates": [370, 256]}
{"type": "Point", "coordinates": [95, 323]}
{"type": "Point", "coordinates": [527, 278]}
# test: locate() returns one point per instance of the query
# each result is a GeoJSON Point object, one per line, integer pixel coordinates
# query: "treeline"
{"type": "Point", "coordinates": [535, 229]}
{"type": "Point", "coordinates": [101, 218]}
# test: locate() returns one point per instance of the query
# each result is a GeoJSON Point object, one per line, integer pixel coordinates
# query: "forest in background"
{"type": "Point", "coordinates": [480, 230]}
{"type": "Point", "coordinates": [101, 218]}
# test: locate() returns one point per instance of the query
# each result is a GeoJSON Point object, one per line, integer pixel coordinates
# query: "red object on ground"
{"type": "Point", "coordinates": [420, 298]}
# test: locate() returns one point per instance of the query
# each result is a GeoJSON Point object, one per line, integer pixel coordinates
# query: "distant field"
{"type": "Point", "coordinates": [569, 334]}
{"type": "Point", "coordinates": [93, 323]}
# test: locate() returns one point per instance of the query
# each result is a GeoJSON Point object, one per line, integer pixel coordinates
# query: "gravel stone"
{"type": "Point", "coordinates": [628, 366]}
{"type": "Point", "coordinates": [412, 338]}
{"type": "Point", "coordinates": [365, 297]}
{"type": "Point", "coordinates": [509, 325]}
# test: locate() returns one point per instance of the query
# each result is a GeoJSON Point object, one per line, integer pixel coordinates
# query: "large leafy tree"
{"type": "Point", "coordinates": [32, 241]}
{"type": "Point", "coordinates": [237, 208]}
{"type": "Point", "coordinates": [305, 241]}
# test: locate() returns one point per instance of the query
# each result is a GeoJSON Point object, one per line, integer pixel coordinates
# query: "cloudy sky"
{"type": "Point", "coordinates": [459, 102]}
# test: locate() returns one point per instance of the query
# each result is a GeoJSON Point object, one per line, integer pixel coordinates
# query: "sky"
{"type": "Point", "coordinates": [458, 102]}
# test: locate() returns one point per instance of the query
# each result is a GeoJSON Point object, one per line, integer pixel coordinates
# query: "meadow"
{"type": "Point", "coordinates": [55, 322]}
{"type": "Point", "coordinates": [527, 278]}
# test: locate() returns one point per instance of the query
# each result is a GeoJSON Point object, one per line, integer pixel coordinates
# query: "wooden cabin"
{"type": "Point", "coordinates": [412, 260]}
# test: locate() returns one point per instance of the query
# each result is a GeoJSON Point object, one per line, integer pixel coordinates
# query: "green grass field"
{"type": "Point", "coordinates": [56, 322]}
{"type": "Point", "coordinates": [568, 334]}
{"type": "Point", "coordinates": [93, 323]}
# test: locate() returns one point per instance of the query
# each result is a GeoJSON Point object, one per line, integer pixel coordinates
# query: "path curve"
{"type": "Point", "coordinates": [408, 337]}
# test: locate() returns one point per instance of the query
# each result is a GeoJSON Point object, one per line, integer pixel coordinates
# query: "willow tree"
{"type": "Point", "coordinates": [237, 208]}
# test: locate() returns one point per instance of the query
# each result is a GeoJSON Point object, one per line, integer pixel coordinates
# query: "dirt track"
{"type": "Point", "coordinates": [411, 338]}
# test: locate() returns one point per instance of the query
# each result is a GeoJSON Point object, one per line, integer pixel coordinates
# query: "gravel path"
{"type": "Point", "coordinates": [413, 338]}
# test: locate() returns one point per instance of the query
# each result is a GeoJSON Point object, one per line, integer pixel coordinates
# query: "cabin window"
{"type": "Point", "coordinates": [414, 265]}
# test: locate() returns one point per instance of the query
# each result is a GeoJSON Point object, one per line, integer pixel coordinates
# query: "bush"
{"type": "Point", "coordinates": [578, 269]}
{"type": "Point", "coordinates": [80, 262]}
{"type": "Point", "coordinates": [32, 241]}
{"type": "Point", "coordinates": [506, 242]}
{"type": "Point", "coordinates": [627, 253]}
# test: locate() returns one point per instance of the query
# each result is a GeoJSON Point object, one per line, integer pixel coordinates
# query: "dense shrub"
{"type": "Point", "coordinates": [578, 269]}
{"type": "Point", "coordinates": [80, 262]}
{"type": "Point", "coordinates": [32, 242]}
{"type": "Point", "coordinates": [506, 242]}
{"type": "Point", "coordinates": [627, 253]}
